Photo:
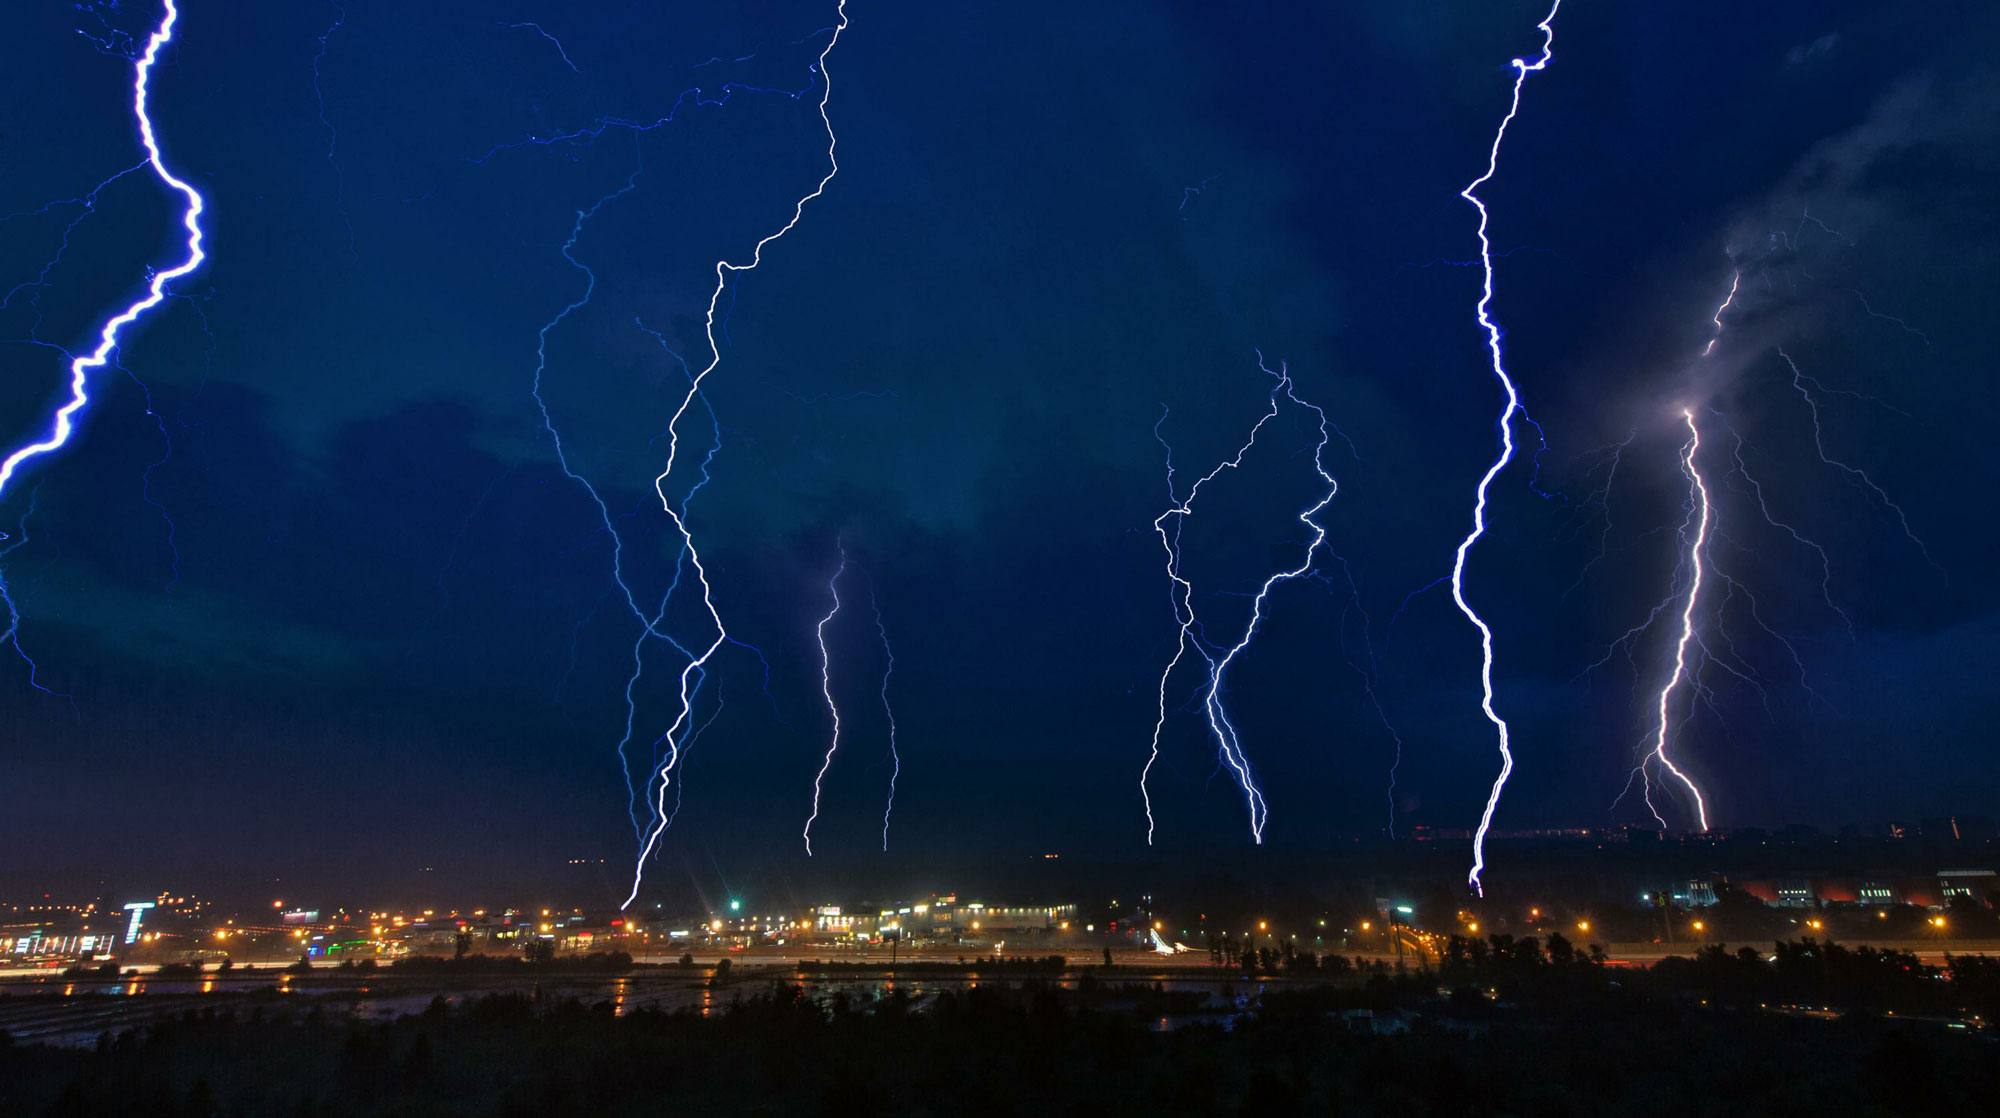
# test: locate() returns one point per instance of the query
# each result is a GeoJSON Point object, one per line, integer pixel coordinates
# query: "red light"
{"type": "Point", "coordinates": [617, 923]}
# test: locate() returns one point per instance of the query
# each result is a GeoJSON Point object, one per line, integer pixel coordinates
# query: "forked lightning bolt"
{"type": "Point", "coordinates": [723, 271]}
{"type": "Point", "coordinates": [1522, 68]}
{"type": "Point", "coordinates": [1181, 592]}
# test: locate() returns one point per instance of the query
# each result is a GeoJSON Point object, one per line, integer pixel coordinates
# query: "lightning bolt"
{"type": "Point", "coordinates": [1696, 529]}
{"type": "Point", "coordinates": [724, 270]}
{"type": "Point", "coordinates": [537, 29]}
{"type": "Point", "coordinates": [1699, 514]}
{"type": "Point", "coordinates": [1522, 68]}
{"type": "Point", "coordinates": [1858, 476]}
{"type": "Point", "coordinates": [1181, 592]}
{"type": "Point", "coordinates": [63, 422]}
{"type": "Point", "coordinates": [1735, 281]}
{"type": "Point", "coordinates": [888, 711]}
{"type": "Point", "coordinates": [649, 621]}
{"type": "Point", "coordinates": [332, 136]}
{"type": "Point", "coordinates": [87, 204]}
{"type": "Point", "coordinates": [12, 634]}
{"type": "Point", "coordinates": [1764, 507]}
{"type": "Point", "coordinates": [826, 690]}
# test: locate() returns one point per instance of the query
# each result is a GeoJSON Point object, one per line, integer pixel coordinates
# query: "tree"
{"type": "Point", "coordinates": [1561, 952]}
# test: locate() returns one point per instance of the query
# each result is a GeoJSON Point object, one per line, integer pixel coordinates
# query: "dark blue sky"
{"type": "Point", "coordinates": [357, 607]}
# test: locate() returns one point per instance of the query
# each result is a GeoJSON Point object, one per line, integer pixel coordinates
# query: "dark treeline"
{"type": "Point", "coordinates": [1016, 964]}
{"type": "Point", "coordinates": [1501, 1026]}
{"type": "Point", "coordinates": [1794, 974]}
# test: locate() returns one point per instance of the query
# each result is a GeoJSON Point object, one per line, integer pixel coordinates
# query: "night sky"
{"type": "Point", "coordinates": [310, 592]}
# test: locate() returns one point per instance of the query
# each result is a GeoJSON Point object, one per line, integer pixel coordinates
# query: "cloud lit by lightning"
{"type": "Point", "coordinates": [1522, 68]}
{"type": "Point", "coordinates": [1698, 567]}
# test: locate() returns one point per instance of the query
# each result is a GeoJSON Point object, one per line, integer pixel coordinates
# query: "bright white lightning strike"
{"type": "Point", "coordinates": [1735, 280]}
{"type": "Point", "coordinates": [1228, 743]}
{"type": "Point", "coordinates": [826, 690]}
{"type": "Point", "coordinates": [1698, 496]}
{"type": "Point", "coordinates": [156, 292]}
{"type": "Point", "coordinates": [1522, 68]}
{"type": "Point", "coordinates": [723, 270]}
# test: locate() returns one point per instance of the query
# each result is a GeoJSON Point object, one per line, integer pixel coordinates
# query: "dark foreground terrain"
{"type": "Point", "coordinates": [1499, 1027]}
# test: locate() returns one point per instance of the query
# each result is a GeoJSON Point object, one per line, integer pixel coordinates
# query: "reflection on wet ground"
{"type": "Point", "coordinates": [75, 1011]}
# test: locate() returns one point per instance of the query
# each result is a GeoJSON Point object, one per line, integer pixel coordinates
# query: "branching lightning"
{"type": "Point", "coordinates": [537, 29]}
{"type": "Point", "coordinates": [724, 270]}
{"type": "Point", "coordinates": [79, 369]}
{"type": "Point", "coordinates": [1181, 592]}
{"type": "Point", "coordinates": [1691, 651]}
{"type": "Point", "coordinates": [12, 634]}
{"type": "Point", "coordinates": [1858, 476]}
{"type": "Point", "coordinates": [1522, 68]}
{"type": "Point", "coordinates": [62, 423]}
{"type": "Point", "coordinates": [833, 706]}
{"type": "Point", "coordinates": [1699, 513]}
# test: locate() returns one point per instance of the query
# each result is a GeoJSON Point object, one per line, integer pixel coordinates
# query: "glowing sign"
{"type": "Point", "coordinates": [138, 911]}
